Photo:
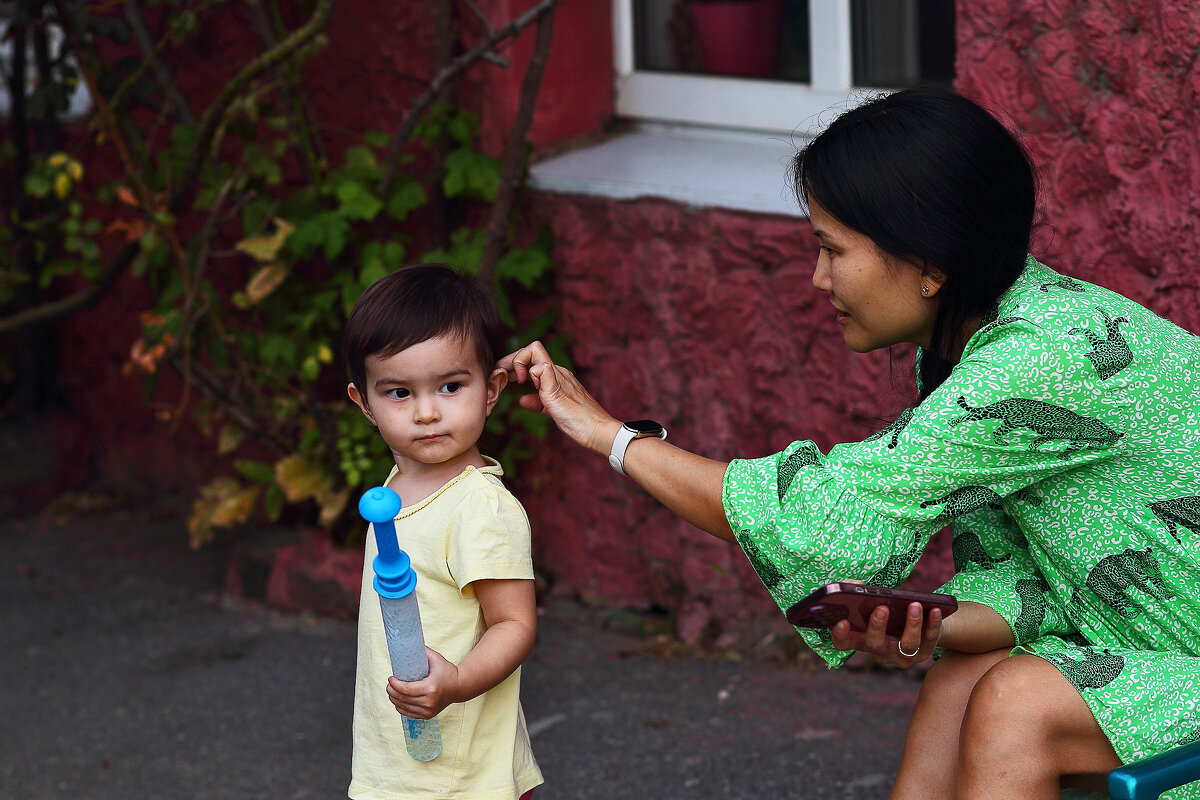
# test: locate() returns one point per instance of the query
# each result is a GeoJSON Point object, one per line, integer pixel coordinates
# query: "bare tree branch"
{"type": "Point", "coordinates": [56, 309]}
{"type": "Point", "coordinates": [215, 113]}
{"type": "Point", "coordinates": [513, 165]}
{"type": "Point", "coordinates": [133, 15]}
{"type": "Point", "coordinates": [211, 387]}
{"type": "Point", "coordinates": [266, 34]}
{"type": "Point", "coordinates": [414, 112]}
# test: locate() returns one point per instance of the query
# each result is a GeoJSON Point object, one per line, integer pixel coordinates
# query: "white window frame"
{"type": "Point", "coordinates": [80, 101]}
{"type": "Point", "coordinates": [747, 104]}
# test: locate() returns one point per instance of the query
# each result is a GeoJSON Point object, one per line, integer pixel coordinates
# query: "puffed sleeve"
{"type": "Point", "coordinates": [866, 510]}
{"type": "Point", "coordinates": [993, 567]}
{"type": "Point", "coordinates": [491, 539]}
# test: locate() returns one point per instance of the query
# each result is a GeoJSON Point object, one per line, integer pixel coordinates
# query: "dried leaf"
{"type": "Point", "coordinates": [132, 229]}
{"type": "Point", "coordinates": [127, 197]}
{"type": "Point", "coordinates": [265, 247]}
{"type": "Point", "coordinates": [265, 281]}
{"type": "Point", "coordinates": [332, 505]}
{"type": "Point", "coordinates": [221, 504]}
{"type": "Point", "coordinates": [300, 478]}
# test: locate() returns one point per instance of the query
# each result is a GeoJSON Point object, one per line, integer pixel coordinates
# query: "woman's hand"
{"type": "Point", "coordinates": [912, 646]}
{"type": "Point", "coordinates": [561, 397]}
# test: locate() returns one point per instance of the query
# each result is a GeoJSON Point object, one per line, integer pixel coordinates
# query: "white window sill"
{"type": "Point", "coordinates": [695, 166]}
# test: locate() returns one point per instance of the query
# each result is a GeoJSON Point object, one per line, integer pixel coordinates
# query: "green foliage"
{"type": "Point", "coordinates": [250, 317]}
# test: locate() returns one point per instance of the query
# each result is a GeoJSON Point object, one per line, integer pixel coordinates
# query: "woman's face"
{"type": "Point", "coordinates": [878, 298]}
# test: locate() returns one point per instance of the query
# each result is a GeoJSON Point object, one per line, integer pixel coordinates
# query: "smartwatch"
{"type": "Point", "coordinates": [638, 429]}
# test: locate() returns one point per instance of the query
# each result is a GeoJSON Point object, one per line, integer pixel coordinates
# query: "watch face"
{"type": "Point", "coordinates": [645, 427]}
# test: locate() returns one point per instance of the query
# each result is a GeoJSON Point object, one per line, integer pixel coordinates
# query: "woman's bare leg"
{"type": "Point", "coordinates": [1025, 728]}
{"type": "Point", "coordinates": [930, 759]}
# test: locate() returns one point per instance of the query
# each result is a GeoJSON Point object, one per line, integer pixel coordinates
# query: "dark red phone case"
{"type": "Point", "coordinates": [834, 602]}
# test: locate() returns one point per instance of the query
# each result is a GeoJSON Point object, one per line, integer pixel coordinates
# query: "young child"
{"type": "Point", "coordinates": [420, 346]}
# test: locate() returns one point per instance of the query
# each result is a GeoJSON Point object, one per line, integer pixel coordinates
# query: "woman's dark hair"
{"type": "Point", "coordinates": [413, 305]}
{"type": "Point", "coordinates": [927, 174]}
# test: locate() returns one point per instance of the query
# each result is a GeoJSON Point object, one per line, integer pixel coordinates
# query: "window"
{"type": "Point", "coordinates": [718, 118]}
{"type": "Point", "coordinates": [77, 104]}
{"type": "Point", "coordinates": [772, 65]}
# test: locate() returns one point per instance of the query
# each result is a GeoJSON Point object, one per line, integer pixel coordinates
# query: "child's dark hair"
{"type": "Point", "coordinates": [413, 305]}
{"type": "Point", "coordinates": [927, 173]}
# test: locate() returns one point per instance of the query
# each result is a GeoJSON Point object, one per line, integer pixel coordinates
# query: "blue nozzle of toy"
{"type": "Point", "coordinates": [394, 575]}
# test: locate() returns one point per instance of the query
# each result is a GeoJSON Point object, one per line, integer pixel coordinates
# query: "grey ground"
{"type": "Point", "coordinates": [124, 673]}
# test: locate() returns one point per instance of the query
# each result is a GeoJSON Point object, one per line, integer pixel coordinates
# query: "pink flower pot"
{"type": "Point", "coordinates": [739, 37]}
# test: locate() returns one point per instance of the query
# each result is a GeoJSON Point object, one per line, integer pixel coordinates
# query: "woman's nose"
{"type": "Point", "coordinates": [820, 278]}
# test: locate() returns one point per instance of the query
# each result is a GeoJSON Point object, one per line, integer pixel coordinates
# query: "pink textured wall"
{"type": "Point", "coordinates": [1107, 94]}
{"type": "Point", "coordinates": [707, 320]}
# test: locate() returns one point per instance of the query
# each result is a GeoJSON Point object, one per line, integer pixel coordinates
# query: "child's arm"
{"type": "Point", "coordinates": [510, 613]}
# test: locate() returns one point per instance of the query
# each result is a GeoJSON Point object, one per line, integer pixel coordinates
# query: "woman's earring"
{"type": "Point", "coordinates": [924, 290]}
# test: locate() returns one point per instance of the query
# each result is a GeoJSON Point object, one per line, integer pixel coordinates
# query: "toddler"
{"type": "Point", "coordinates": [421, 345]}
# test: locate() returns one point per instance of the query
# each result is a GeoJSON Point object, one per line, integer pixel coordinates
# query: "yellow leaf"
{"type": "Point", "coordinates": [265, 247]}
{"type": "Point", "coordinates": [324, 354]}
{"type": "Point", "coordinates": [75, 170]}
{"type": "Point", "coordinates": [265, 281]}
{"type": "Point", "coordinates": [57, 159]}
{"type": "Point", "coordinates": [300, 478]}
{"type": "Point", "coordinates": [62, 185]}
{"type": "Point", "coordinates": [221, 504]}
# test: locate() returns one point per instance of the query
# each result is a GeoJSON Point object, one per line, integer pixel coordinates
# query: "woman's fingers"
{"type": "Point", "coordinates": [876, 639]}
{"type": "Point", "coordinates": [915, 643]}
{"type": "Point", "coordinates": [920, 637]}
{"type": "Point", "coordinates": [844, 638]}
{"type": "Point", "coordinates": [933, 632]}
{"type": "Point", "coordinates": [911, 639]}
{"type": "Point", "coordinates": [517, 364]}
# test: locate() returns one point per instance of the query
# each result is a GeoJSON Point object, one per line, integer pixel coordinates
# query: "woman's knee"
{"type": "Point", "coordinates": [953, 677]}
{"type": "Point", "coordinates": [1011, 708]}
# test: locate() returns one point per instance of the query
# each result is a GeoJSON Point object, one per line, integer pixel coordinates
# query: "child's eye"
{"type": "Point", "coordinates": [451, 387]}
{"type": "Point", "coordinates": [397, 393]}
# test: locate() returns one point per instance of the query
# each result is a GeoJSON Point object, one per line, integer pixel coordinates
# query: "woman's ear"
{"type": "Point", "coordinates": [360, 401]}
{"type": "Point", "coordinates": [932, 279]}
{"type": "Point", "coordinates": [496, 383]}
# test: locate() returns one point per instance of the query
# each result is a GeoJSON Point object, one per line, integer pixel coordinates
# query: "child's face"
{"type": "Point", "coordinates": [430, 402]}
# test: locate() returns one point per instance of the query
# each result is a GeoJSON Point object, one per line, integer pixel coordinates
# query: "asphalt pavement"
{"type": "Point", "coordinates": [125, 672]}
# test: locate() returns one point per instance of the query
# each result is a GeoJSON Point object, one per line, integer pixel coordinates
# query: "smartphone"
{"type": "Point", "coordinates": [835, 602]}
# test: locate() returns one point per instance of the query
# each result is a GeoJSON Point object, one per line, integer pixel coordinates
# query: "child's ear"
{"type": "Point", "coordinates": [496, 383]}
{"type": "Point", "coordinates": [359, 401]}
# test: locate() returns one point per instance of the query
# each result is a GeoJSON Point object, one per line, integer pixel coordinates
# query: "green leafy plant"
{"type": "Point", "coordinates": [254, 235]}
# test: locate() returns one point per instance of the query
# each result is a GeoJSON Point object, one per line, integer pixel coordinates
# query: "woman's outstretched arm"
{"type": "Point", "coordinates": [685, 483]}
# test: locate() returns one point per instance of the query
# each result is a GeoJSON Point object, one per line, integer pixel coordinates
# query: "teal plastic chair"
{"type": "Point", "coordinates": [1150, 777]}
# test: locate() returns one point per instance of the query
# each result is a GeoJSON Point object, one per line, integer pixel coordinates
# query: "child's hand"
{"type": "Point", "coordinates": [426, 698]}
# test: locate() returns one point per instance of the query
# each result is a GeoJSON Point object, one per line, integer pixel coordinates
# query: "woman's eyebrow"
{"type": "Point", "coordinates": [820, 234]}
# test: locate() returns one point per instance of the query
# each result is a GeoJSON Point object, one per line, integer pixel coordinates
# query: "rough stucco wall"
{"type": "Point", "coordinates": [1107, 95]}
{"type": "Point", "coordinates": [707, 321]}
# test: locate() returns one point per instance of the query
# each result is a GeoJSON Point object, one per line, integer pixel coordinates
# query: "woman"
{"type": "Point", "coordinates": [1057, 431]}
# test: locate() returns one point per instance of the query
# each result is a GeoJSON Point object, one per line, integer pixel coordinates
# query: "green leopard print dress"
{"type": "Point", "coordinates": [1064, 451]}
